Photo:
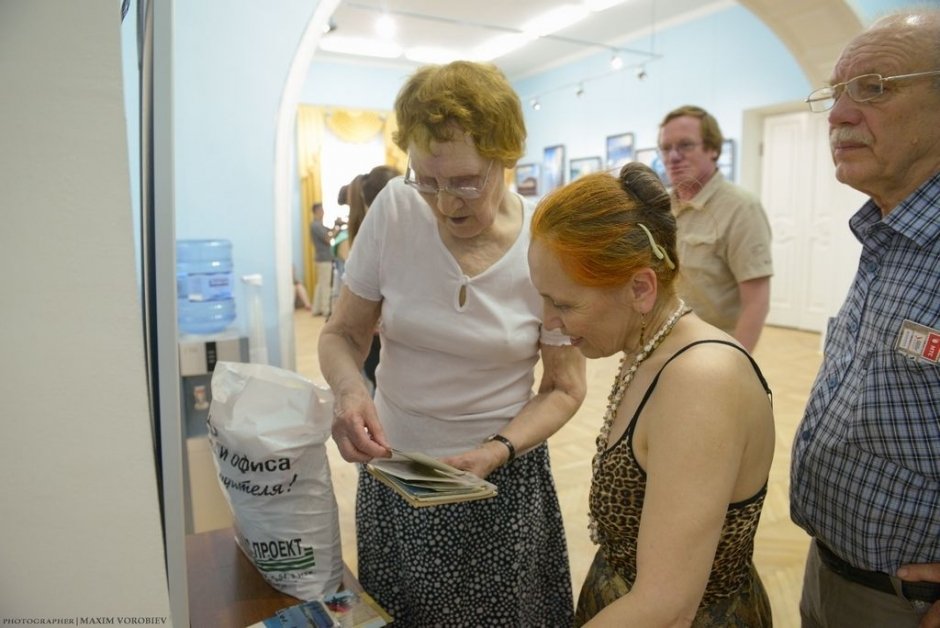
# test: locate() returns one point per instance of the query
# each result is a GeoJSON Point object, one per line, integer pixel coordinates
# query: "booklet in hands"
{"type": "Point", "coordinates": [426, 481]}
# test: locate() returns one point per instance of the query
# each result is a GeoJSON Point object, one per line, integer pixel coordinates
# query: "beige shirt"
{"type": "Point", "coordinates": [723, 240]}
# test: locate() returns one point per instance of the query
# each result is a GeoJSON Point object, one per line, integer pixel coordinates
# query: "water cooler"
{"type": "Point", "coordinates": [206, 312]}
{"type": "Point", "coordinates": [208, 335]}
{"type": "Point", "coordinates": [198, 357]}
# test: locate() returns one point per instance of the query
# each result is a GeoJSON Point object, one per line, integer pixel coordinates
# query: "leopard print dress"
{"type": "Point", "coordinates": [734, 595]}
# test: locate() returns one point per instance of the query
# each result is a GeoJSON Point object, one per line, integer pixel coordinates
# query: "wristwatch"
{"type": "Point", "coordinates": [502, 439]}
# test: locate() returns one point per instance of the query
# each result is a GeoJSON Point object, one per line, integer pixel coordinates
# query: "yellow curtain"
{"type": "Point", "coordinates": [309, 143]}
{"type": "Point", "coordinates": [354, 127]}
{"type": "Point", "coordinates": [349, 125]}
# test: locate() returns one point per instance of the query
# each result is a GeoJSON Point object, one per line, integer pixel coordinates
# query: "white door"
{"type": "Point", "coordinates": [814, 251]}
{"type": "Point", "coordinates": [785, 195]}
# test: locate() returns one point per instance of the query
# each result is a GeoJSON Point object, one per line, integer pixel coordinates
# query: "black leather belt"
{"type": "Point", "coordinates": [877, 580]}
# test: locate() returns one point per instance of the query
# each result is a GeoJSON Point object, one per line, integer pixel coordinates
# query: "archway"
{"type": "Point", "coordinates": [814, 31]}
{"type": "Point", "coordinates": [284, 181]}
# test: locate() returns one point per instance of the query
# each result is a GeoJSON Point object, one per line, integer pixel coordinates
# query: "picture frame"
{"type": "Point", "coordinates": [582, 166]}
{"type": "Point", "coordinates": [527, 179]}
{"type": "Point", "coordinates": [620, 151]}
{"type": "Point", "coordinates": [726, 160]}
{"type": "Point", "coordinates": [652, 158]}
{"type": "Point", "coordinates": [553, 167]}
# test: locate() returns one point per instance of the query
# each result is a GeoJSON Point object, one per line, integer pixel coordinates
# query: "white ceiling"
{"type": "Point", "coordinates": [462, 25]}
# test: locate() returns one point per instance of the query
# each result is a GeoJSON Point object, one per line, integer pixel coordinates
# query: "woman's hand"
{"type": "Point", "coordinates": [560, 393]}
{"type": "Point", "coordinates": [343, 346]}
{"type": "Point", "coordinates": [481, 461]}
{"type": "Point", "coordinates": [356, 429]}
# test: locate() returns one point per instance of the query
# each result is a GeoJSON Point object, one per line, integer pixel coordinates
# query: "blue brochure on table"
{"type": "Point", "coordinates": [313, 613]}
{"type": "Point", "coordinates": [346, 609]}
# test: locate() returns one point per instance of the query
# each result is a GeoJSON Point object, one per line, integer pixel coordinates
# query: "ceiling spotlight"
{"type": "Point", "coordinates": [616, 62]}
{"type": "Point", "coordinates": [641, 73]}
{"type": "Point", "coordinates": [535, 104]}
{"type": "Point", "coordinates": [580, 91]}
{"type": "Point", "coordinates": [330, 26]}
{"type": "Point", "coordinates": [385, 26]}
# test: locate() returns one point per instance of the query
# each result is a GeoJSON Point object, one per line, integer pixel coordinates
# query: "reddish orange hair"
{"type": "Point", "coordinates": [591, 226]}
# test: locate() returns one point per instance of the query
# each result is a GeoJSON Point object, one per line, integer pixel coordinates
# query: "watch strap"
{"type": "Point", "coordinates": [508, 443]}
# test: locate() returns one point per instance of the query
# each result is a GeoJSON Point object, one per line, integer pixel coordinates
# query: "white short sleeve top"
{"type": "Point", "coordinates": [449, 374]}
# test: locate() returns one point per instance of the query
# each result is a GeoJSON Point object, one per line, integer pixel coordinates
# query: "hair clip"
{"type": "Point", "coordinates": [658, 251]}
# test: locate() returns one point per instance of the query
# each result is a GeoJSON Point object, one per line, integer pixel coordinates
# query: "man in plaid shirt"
{"type": "Point", "coordinates": [865, 476]}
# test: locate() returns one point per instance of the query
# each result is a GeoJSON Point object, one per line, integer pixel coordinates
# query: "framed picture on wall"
{"type": "Point", "coordinates": [527, 179]}
{"type": "Point", "coordinates": [619, 151]}
{"type": "Point", "coordinates": [726, 160]}
{"type": "Point", "coordinates": [553, 168]}
{"type": "Point", "coordinates": [652, 158]}
{"type": "Point", "coordinates": [582, 166]}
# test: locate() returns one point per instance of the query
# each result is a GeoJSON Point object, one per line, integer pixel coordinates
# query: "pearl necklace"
{"type": "Point", "coordinates": [621, 383]}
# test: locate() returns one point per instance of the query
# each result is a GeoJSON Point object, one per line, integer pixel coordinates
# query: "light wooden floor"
{"type": "Point", "coordinates": [789, 360]}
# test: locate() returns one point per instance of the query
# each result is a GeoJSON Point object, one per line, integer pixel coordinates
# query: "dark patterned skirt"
{"type": "Point", "coordinates": [748, 608]}
{"type": "Point", "coordinates": [495, 562]}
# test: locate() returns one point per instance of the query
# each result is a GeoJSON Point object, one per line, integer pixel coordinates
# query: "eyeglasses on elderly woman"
{"type": "Point", "coordinates": [468, 187]}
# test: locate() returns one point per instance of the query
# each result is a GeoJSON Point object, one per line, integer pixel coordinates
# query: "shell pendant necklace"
{"type": "Point", "coordinates": [621, 383]}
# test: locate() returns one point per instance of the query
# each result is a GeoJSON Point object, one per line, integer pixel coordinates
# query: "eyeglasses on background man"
{"type": "Point", "coordinates": [683, 148]}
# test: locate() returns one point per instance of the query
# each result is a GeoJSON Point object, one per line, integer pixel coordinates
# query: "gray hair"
{"type": "Point", "coordinates": [921, 25]}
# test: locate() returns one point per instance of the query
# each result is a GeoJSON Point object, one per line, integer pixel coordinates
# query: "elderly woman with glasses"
{"type": "Point", "coordinates": [441, 260]}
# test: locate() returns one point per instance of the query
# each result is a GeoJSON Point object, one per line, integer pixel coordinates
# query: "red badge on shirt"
{"type": "Point", "coordinates": [919, 342]}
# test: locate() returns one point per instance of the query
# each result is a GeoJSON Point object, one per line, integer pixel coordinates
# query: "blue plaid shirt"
{"type": "Point", "coordinates": [865, 474]}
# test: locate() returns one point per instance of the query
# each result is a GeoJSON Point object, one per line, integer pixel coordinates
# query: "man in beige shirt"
{"type": "Point", "coordinates": [723, 232]}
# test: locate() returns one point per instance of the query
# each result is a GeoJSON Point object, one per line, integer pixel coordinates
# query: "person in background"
{"type": "Point", "coordinates": [322, 239]}
{"type": "Point", "coordinates": [865, 470]}
{"type": "Point", "coordinates": [357, 210]}
{"type": "Point", "coordinates": [341, 251]}
{"type": "Point", "coordinates": [301, 298]}
{"type": "Point", "coordinates": [365, 188]}
{"type": "Point", "coordinates": [686, 444]}
{"type": "Point", "coordinates": [362, 192]}
{"type": "Point", "coordinates": [341, 245]}
{"type": "Point", "coordinates": [440, 257]}
{"type": "Point", "coordinates": [724, 235]}
{"type": "Point", "coordinates": [342, 198]}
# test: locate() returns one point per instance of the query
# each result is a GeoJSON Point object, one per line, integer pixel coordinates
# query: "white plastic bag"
{"type": "Point", "coordinates": [267, 429]}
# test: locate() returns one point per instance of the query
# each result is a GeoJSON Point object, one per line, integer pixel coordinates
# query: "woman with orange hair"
{"type": "Point", "coordinates": [685, 448]}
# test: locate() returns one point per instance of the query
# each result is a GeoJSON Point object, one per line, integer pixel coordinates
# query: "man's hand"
{"type": "Point", "coordinates": [929, 572]}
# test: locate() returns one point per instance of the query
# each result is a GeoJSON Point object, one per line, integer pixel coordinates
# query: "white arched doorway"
{"type": "Point", "coordinates": [284, 181]}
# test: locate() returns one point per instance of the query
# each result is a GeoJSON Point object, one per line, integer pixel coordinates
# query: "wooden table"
{"type": "Point", "coordinates": [225, 589]}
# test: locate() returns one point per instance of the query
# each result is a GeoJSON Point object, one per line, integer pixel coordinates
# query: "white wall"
{"type": "Point", "coordinates": [80, 524]}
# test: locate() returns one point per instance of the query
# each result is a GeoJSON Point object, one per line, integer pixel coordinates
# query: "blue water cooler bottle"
{"type": "Point", "coordinates": [204, 286]}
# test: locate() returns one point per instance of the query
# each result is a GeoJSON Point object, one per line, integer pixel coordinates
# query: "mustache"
{"type": "Point", "coordinates": [848, 136]}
